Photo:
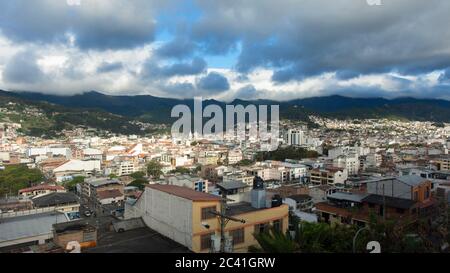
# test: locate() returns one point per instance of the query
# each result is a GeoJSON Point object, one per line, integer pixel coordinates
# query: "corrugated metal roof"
{"type": "Point", "coordinates": [412, 180]}
{"type": "Point", "coordinates": [28, 226]}
{"type": "Point", "coordinates": [353, 197]}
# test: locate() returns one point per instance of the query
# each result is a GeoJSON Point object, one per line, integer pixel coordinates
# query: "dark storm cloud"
{"type": "Point", "coordinates": [179, 89]}
{"type": "Point", "coordinates": [106, 67]}
{"type": "Point", "coordinates": [214, 82]}
{"type": "Point", "coordinates": [98, 24]}
{"type": "Point", "coordinates": [445, 76]}
{"type": "Point", "coordinates": [247, 92]}
{"type": "Point", "coordinates": [23, 68]}
{"type": "Point", "coordinates": [178, 48]}
{"type": "Point", "coordinates": [310, 37]}
{"type": "Point", "coordinates": [152, 70]}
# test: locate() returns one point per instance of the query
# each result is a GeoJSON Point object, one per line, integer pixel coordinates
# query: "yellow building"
{"type": "Point", "coordinates": [183, 215]}
{"type": "Point", "coordinates": [443, 164]}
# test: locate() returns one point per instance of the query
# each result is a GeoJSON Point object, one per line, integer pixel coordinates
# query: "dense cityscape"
{"type": "Point", "coordinates": [119, 190]}
{"type": "Point", "coordinates": [225, 135]}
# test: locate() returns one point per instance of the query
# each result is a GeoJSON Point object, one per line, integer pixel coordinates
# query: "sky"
{"type": "Point", "coordinates": [226, 49]}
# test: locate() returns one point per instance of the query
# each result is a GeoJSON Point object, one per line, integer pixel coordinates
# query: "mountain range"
{"type": "Point", "coordinates": [153, 109]}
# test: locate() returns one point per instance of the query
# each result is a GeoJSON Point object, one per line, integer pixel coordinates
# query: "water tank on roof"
{"type": "Point", "coordinates": [258, 183]}
{"type": "Point", "coordinates": [277, 201]}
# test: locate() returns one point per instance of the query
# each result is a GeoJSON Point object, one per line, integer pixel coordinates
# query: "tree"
{"type": "Point", "coordinates": [140, 183]}
{"type": "Point", "coordinates": [137, 175]}
{"type": "Point", "coordinates": [281, 154]}
{"type": "Point", "coordinates": [16, 177]}
{"type": "Point", "coordinates": [154, 168]}
{"type": "Point", "coordinates": [245, 162]}
{"type": "Point", "coordinates": [181, 170]}
{"type": "Point", "coordinates": [274, 241]}
{"type": "Point", "coordinates": [72, 184]}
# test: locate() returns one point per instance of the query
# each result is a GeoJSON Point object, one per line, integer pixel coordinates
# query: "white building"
{"type": "Point", "coordinates": [188, 181]}
{"type": "Point", "coordinates": [350, 162]}
{"type": "Point", "coordinates": [295, 137]}
{"type": "Point", "coordinates": [74, 167]}
{"type": "Point", "coordinates": [65, 152]}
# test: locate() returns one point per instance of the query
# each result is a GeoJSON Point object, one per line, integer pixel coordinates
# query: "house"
{"type": "Point", "coordinates": [40, 190]}
{"type": "Point", "coordinates": [234, 156]}
{"type": "Point", "coordinates": [328, 176]}
{"type": "Point", "coordinates": [301, 206]}
{"type": "Point", "coordinates": [301, 202]}
{"type": "Point", "coordinates": [443, 163]}
{"type": "Point", "coordinates": [122, 166]}
{"type": "Point", "coordinates": [411, 187]}
{"type": "Point", "coordinates": [92, 190]}
{"type": "Point", "coordinates": [237, 175]}
{"type": "Point", "coordinates": [189, 181]}
{"type": "Point", "coordinates": [236, 191]}
{"type": "Point", "coordinates": [66, 202]}
{"type": "Point", "coordinates": [113, 196]}
{"type": "Point", "coordinates": [357, 209]}
{"type": "Point", "coordinates": [184, 215]}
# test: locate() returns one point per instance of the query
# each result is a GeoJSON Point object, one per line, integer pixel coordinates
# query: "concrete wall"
{"type": "Point", "coordinates": [167, 214]}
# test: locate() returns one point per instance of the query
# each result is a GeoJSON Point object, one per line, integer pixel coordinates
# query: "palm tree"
{"type": "Point", "coordinates": [274, 241]}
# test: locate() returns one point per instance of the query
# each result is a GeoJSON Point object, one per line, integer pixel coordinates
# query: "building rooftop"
{"type": "Point", "coordinates": [28, 226]}
{"type": "Point", "coordinates": [43, 187]}
{"type": "Point", "coordinates": [240, 208]}
{"type": "Point", "coordinates": [231, 185]}
{"type": "Point", "coordinates": [72, 226]}
{"type": "Point", "coordinates": [300, 197]}
{"type": "Point", "coordinates": [98, 182]}
{"type": "Point", "coordinates": [392, 202]}
{"type": "Point", "coordinates": [54, 198]}
{"type": "Point", "coordinates": [184, 192]}
{"type": "Point", "coordinates": [347, 196]}
{"type": "Point", "coordinates": [109, 194]}
{"type": "Point", "coordinates": [412, 180]}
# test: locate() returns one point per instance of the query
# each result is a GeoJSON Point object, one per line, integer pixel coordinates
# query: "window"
{"type": "Point", "coordinates": [278, 225]}
{"type": "Point", "coordinates": [400, 211]}
{"type": "Point", "coordinates": [371, 205]}
{"type": "Point", "coordinates": [260, 228]}
{"type": "Point", "coordinates": [427, 193]}
{"type": "Point", "coordinates": [206, 213]}
{"type": "Point", "coordinates": [238, 236]}
{"type": "Point", "coordinates": [381, 211]}
{"type": "Point", "coordinates": [416, 196]}
{"type": "Point", "coordinates": [205, 241]}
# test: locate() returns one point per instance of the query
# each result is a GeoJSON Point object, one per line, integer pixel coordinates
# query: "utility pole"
{"type": "Point", "coordinates": [384, 204]}
{"type": "Point", "coordinates": [224, 219]}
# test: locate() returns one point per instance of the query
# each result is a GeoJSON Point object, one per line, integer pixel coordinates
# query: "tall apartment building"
{"type": "Point", "coordinates": [295, 137]}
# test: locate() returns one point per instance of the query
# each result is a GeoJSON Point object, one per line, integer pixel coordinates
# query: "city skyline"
{"type": "Point", "coordinates": [227, 50]}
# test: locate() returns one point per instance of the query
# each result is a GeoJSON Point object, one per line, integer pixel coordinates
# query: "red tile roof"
{"type": "Point", "coordinates": [42, 187]}
{"type": "Point", "coordinates": [109, 194]}
{"type": "Point", "coordinates": [185, 192]}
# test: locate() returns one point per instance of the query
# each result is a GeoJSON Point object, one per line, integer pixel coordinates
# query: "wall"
{"type": "Point", "coordinates": [251, 219]}
{"type": "Point", "coordinates": [167, 214]}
